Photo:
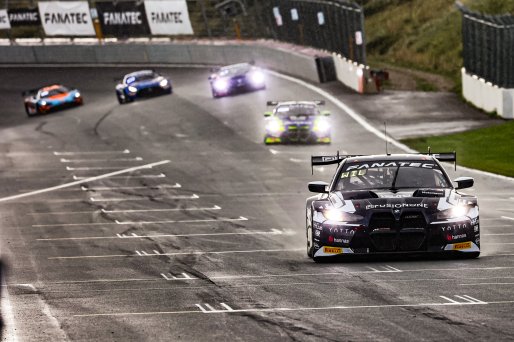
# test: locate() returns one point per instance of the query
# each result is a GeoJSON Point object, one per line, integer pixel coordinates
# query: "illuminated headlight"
{"type": "Point", "coordinates": [256, 78]}
{"type": "Point", "coordinates": [132, 89]}
{"type": "Point", "coordinates": [275, 126]}
{"type": "Point", "coordinates": [164, 83]}
{"type": "Point", "coordinates": [455, 212]}
{"type": "Point", "coordinates": [221, 84]}
{"type": "Point", "coordinates": [77, 95]}
{"type": "Point", "coordinates": [341, 216]}
{"type": "Point", "coordinates": [43, 103]}
{"type": "Point", "coordinates": [323, 126]}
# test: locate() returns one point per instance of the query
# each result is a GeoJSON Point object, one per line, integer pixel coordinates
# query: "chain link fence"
{"type": "Point", "coordinates": [488, 46]}
{"type": "Point", "coordinates": [332, 25]}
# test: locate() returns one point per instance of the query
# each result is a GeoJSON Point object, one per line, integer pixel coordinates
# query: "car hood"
{"type": "Point", "coordinates": [428, 200]}
{"type": "Point", "coordinates": [147, 83]}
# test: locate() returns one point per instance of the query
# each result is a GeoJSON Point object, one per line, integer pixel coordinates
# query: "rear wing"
{"type": "Point", "coordinates": [276, 103]}
{"type": "Point", "coordinates": [30, 92]}
{"type": "Point", "coordinates": [338, 158]}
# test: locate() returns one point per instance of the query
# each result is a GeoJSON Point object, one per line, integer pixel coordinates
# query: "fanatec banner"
{"type": "Point", "coordinates": [168, 17]}
{"type": "Point", "coordinates": [4, 20]}
{"type": "Point", "coordinates": [70, 18]}
{"type": "Point", "coordinates": [123, 19]}
{"type": "Point", "coordinates": [24, 17]}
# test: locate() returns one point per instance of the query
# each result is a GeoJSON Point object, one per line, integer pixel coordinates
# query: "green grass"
{"type": "Point", "coordinates": [488, 149]}
{"type": "Point", "coordinates": [421, 34]}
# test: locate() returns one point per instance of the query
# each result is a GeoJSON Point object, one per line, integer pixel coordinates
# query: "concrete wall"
{"type": "Point", "coordinates": [487, 96]}
{"type": "Point", "coordinates": [279, 59]}
{"type": "Point", "coordinates": [350, 73]}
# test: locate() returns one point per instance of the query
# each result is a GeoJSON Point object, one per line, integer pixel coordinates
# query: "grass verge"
{"type": "Point", "coordinates": [489, 149]}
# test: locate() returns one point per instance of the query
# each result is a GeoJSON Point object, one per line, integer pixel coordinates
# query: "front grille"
{"type": "Point", "coordinates": [298, 132]}
{"type": "Point", "coordinates": [387, 234]}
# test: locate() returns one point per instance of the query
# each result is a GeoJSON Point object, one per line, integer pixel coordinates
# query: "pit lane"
{"type": "Point", "coordinates": [222, 255]}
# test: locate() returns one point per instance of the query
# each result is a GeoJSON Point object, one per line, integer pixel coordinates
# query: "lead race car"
{"type": "Point", "coordinates": [50, 98]}
{"type": "Point", "coordinates": [297, 122]}
{"type": "Point", "coordinates": [390, 204]}
{"type": "Point", "coordinates": [142, 83]}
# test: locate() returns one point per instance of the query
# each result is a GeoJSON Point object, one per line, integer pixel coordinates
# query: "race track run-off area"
{"type": "Point", "coordinates": [189, 228]}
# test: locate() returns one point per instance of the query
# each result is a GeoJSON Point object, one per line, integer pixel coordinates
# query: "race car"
{"type": "Point", "coordinates": [297, 122]}
{"type": "Point", "coordinates": [140, 84]}
{"type": "Point", "coordinates": [391, 204]}
{"type": "Point", "coordinates": [236, 78]}
{"type": "Point", "coordinates": [49, 98]}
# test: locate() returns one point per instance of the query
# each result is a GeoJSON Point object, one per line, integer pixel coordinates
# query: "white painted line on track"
{"type": "Point", "coordinates": [64, 160]}
{"type": "Point", "coordinates": [485, 284]}
{"type": "Point", "coordinates": [144, 254]}
{"type": "Point", "coordinates": [155, 236]}
{"type": "Point", "coordinates": [77, 153]}
{"type": "Point", "coordinates": [73, 224]}
{"type": "Point", "coordinates": [221, 219]}
{"type": "Point", "coordinates": [366, 125]}
{"type": "Point", "coordinates": [9, 332]}
{"type": "Point", "coordinates": [215, 207]}
{"type": "Point", "coordinates": [86, 180]}
{"type": "Point", "coordinates": [508, 218]}
{"type": "Point", "coordinates": [63, 212]}
{"type": "Point", "coordinates": [160, 175]}
{"type": "Point", "coordinates": [204, 311]}
{"type": "Point", "coordinates": [121, 199]}
{"type": "Point", "coordinates": [150, 187]}
{"type": "Point", "coordinates": [93, 168]}
{"type": "Point", "coordinates": [182, 276]}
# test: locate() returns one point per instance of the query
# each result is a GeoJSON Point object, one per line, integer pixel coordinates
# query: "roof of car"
{"type": "Point", "coordinates": [139, 73]}
{"type": "Point", "coordinates": [392, 157]}
{"type": "Point", "coordinates": [51, 87]}
{"type": "Point", "coordinates": [297, 103]}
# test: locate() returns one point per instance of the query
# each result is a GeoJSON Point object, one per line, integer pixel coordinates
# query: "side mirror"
{"type": "Point", "coordinates": [318, 187]}
{"type": "Point", "coordinates": [464, 182]}
{"type": "Point", "coordinates": [268, 114]}
{"type": "Point", "coordinates": [325, 113]}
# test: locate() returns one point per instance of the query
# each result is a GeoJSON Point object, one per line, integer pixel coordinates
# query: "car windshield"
{"type": "Point", "coordinates": [140, 77]}
{"type": "Point", "coordinates": [53, 92]}
{"type": "Point", "coordinates": [234, 69]}
{"type": "Point", "coordinates": [391, 175]}
{"type": "Point", "coordinates": [297, 110]}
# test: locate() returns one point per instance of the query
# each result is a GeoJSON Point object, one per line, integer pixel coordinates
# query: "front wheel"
{"type": "Point", "coordinates": [27, 110]}
{"type": "Point", "coordinates": [310, 239]}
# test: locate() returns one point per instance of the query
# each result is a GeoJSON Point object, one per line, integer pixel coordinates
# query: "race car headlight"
{"type": "Point", "coordinates": [256, 78]}
{"type": "Point", "coordinates": [77, 95]}
{"type": "Point", "coordinates": [322, 126]}
{"type": "Point", "coordinates": [43, 103]}
{"type": "Point", "coordinates": [341, 216]}
{"type": "Point", "coordinates": [455, 212]}
{"type": "Point", "coordinates": [275, 126]}
{"type": "Point", "coordinates": [132, 89]}
{"type": "Point", "coordinates": [221, 84]}
{"type": "Point", "coordinates": [164, 83]}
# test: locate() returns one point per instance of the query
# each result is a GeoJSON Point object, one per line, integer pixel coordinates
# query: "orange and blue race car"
{"type": "Point", "coordinates": [50, 98]}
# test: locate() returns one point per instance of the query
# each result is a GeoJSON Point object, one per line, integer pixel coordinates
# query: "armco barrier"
{"type": "Point", "coordinates": [487, 96]}
{"type": "Point", "coordinates": [265, 54]}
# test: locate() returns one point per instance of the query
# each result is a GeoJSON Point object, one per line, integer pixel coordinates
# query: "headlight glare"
{"type": "Point", "coordinates": [455, 212]}
{"type": "Point", "coordinates": [256, 78]}
{"type": "Point", "coordinates": [221, 84]}
{"type": "Point", "coordinates": [323, 125]}
{"type": "Point", "coordinates": [163, 83]}
{"type": "Point", "coordinates": [275, 126]}
{"type": "Point", "coordinates": [341, 216]}
{"type": "Point", "coordinates": [77, 95]}
{"type": "Point", "coordinates": [132, 89]}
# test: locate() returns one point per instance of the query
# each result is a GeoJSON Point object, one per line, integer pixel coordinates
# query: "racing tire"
{"type": "Point", "coordinates": [309, 233]}
{"type": "Point", "coordinates": [215, 95]}
{"type": "Point", "coordinates": [29, 114]}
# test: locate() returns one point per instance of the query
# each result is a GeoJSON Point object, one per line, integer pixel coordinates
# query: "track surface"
{"type": "Point", "coordinates": [222, 257]}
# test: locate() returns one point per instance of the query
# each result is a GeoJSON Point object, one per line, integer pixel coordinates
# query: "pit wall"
{"type": "Point", "coordinates": [487, 96]}
{"type": "Point", "coordinates": [355, 76]}
{"type": "Point", "coordinates": [299, 64]}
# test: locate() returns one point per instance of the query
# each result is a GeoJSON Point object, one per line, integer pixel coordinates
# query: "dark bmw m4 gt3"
{"type": "Point", "coordinates": [391, 204]}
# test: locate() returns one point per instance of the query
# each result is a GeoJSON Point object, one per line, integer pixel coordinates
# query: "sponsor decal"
{"type": "Point", "coordinates": [317, 232]}
{"type": "Point", "coordinates": [332, 250]}
{"type": "Point", "coordinates": [168, 17]}
{"type": "Point", "coordinates": [344, 231]}
{"type": "Point", "coordinates": [396, 206]}
{"type": "Point", "coordinates": [453, 227]}
{"type": "Point", "coordinates": [68, 18]}
{"type": "Point", "coordinates": [24, 17]}
{"type": "Point", "coordinates": [4, 20]}
{"type": "Point", "coordinates": [341, 240]}
{"type": "Point", "coordinates": [388, 164]}
{"type": "Point", "coordinates": [461, 246]}
{"type": "Point", "coordinates": [123, 18]}
{"type": "Point", "coordinates": [476, 228]}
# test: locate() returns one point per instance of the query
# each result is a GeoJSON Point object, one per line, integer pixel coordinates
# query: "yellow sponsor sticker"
{"type": "Point", "coordinates": [462, 245]}
{"type": "Point", "coordinates": [332, 250]}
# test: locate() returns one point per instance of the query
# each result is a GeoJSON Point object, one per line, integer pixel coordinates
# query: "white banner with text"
{"type": "Point", "coordinates": [70, 18]}
{"type": "Point", "coordinates": [168, 17]}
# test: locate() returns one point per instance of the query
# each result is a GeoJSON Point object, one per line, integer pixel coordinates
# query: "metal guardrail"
{"type": "Point", "coordinates": [488, 46]}
{"type": "Point", "coordinates": [331, 25]}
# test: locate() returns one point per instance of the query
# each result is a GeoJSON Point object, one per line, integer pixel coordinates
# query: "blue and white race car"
{"type": "Point", "coordinates": [141, 84]}
{"type": "Point", "coordinates": [236, 78]}
{"type": "Point", "coordinates": [297, 122]}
